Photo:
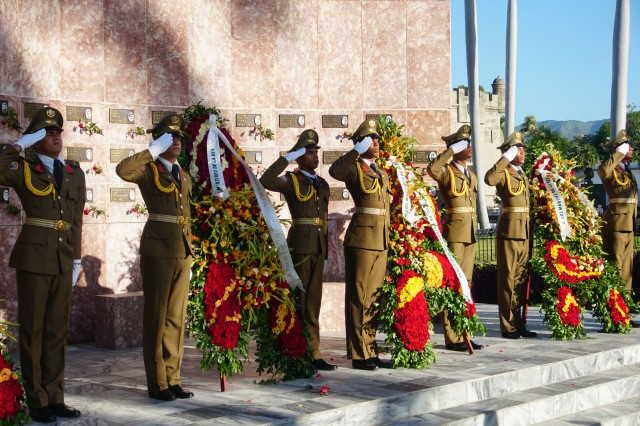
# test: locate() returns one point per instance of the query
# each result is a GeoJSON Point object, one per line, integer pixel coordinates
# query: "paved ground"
{"type": "Point", "coordinates": [109, 386]}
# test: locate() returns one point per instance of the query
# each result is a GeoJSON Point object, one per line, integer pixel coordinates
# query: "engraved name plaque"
{"type": "Point", "coordinates": [248, 120]}
{"type": "Point", "coordinates": [329, 157]}
{"type": "Point", "coordinates": [79, 113]}
{"type": "Point", "coordinates": [338, 194]}
{"type": "Point", "coordinates": [122, 116]}
{"type": "Point", "coordinates": [116, 155]}
{"type": "Point", "coordinates": [290, 120]}
{"type": "Point", "coordinates": [4, 195]}
{"type": "Point", "coordinates": [253, 157]}
{"type": "Point", "coordinates": [424, 156]}
{"type": "Point", "coordinates": [79, 154]}
{"type": "Point", "coordinates": [30, 109]}
{"type": "Point", "coordinates": [335, 121]}
{"type": "Point", "coordinates": [156, 116]}
{"type": "Point", "coordinates": [4, 107]}
{"type": "Point", "coordinates": [122, 195]}
{"type": "Point", "coordinates": [89, 194]}
{"type": "Point", "coordinates": [387, 117]}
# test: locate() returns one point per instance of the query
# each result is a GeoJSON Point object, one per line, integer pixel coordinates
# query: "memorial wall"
{"type": "Point", "coordinates": [115, 67]}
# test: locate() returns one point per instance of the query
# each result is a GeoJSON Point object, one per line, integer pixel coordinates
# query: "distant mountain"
{"type": "Point", "coordinates": [571, 128]}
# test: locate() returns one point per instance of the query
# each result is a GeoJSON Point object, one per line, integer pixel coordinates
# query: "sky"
{"type": "Point", "coordinates": [564, 55]}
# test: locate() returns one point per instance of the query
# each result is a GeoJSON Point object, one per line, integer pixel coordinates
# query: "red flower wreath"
{"type": "Point", "coordinates": [11, 393]}
{"type": "Point", "coordinates": [618, 309]}
{"type": "Point", "coordinates": [222, 313]}
{"type": "Point", "coordinates": [567, 307]}
{"type": "Point", "coordinates": [291, 340]}
{"type": "Point", "coordinates": [412, 319]}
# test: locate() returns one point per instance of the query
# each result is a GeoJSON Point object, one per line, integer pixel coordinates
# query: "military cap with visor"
{"type": "Point", "coordinates": [620, 138]}
{"type": "Point", "coordinates": [463, 133]}
{"type": "Point", "coordinates": [45, 118]}
{"type": "Point", "coordinates": [307, 139]}
{"type": "Point", "coordinates": [367, 128]}
{"type": "Point", "coordinates": [172, 123]}
{"type": "Point", "coordinates": [514, 139]}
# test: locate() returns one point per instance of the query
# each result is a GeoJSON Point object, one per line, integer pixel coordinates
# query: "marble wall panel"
{"type": "Point", "coordinates": [209, 45]}
{"type": "Point", "coordinates": [340, 73]}
{"type": "Point", "coordinates": [82, 50]}
{"type": "Point", "coordinates": [11, 68]}
{"type": "Point", "coordinates": [428, 54]}
{"type": "Point", "coordinates": [8, 309]}
{"type": "Point", "coordinates": [384, 54]}
{"type": "Point", "coordinates": [167, 53]}
{"type": "Point", "coordinates": [125, 51]}
{"type": "Point", "coordinates": [123, 266]}
{"type": "Point", "coordinates": [296, 64]}
{"type": "Point", "coordinates": [428, 126]}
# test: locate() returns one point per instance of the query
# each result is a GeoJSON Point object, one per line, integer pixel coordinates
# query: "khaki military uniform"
{"type": "Point", "coordinates": [307, 237]}
{"type": "Point", "coordinates": [365, 250]}
{"type": "Point", "coordinates": [165, 250]}
{"type": "Point", "coordinates": [620, 216]}
{"type": "Point", "coordinates": [43, 257]}
{"type": "Point", "coordinates": [461, 223]}
{"type": "Point", "coordinates": [512, 242]}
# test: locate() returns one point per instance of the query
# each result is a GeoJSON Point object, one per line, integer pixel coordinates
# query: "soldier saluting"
{"type": "Point", "coordinates": [166, 255]}
{"type": "Point", "coordinates": [46, 256]}
{"type": "Point", "coordinates": [458, 189]}
{"type": "Point", "coordinates": [620, 216]}
{"type": "Point", "coordinates": [365, 243]}
{"type": "Point", "coordinates": [512, 236]}
{"type": "Point", "coordinates": [307, 196]}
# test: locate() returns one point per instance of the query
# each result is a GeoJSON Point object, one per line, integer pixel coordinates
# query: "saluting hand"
{"type": "Point", "coordinates": [459, 146]}
{"type": "Point", "coordinates": [160, 145]}
{"type": "Point", "coordinates": [294, 155]}
{"type": "Point", "coordinates": [623, 148]}
{"type": "Point", "coordinates": [363, 145]}
{"type": "Point", "coordinates": [511, 153]}
{"type": "Point", "coordinates": [30, 139]}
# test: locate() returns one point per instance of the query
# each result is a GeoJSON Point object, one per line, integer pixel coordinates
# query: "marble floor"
{"type": "Point", "coordinates": [109, 386]}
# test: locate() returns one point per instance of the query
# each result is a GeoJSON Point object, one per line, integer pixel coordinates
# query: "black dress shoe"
{"type": "Point", "coordinates": [635, 324]}
{"type": "Point", "coordinates": [364, 364]}
{"type": "Point", "coordinates": [381, 363]}
{"type": "Point", "coordinates": [42, 415]}
{"type": "Point", "coordinates": [163, 395]}
{"type": "Point", "coordinates": [511, 334]}
{"type": "Point", "coordinates": [180, 393]}
{"type": "Point", "coordinates": [476, 346]}
{"type": "Point", "coordinates": [458, 347]}
{"type": "Point", "coordinates": [322, 365]}
{"type": "Point", "coordinates": [62, 410]}
{"type": "Point", "coordinates": [527, 334]}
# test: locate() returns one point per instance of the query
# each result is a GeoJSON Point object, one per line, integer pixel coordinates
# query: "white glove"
{"type": "Point", "coordinates": [363, 145]}
{"type": "Point", "coordinates": [294, 155]}
{"type": "Point", "coordinates": [459, 146]}
{"type": "Point", "coordinates": [77, 268]}
{"type": "Point", "coordinates": [511, 153]}
{"type": "Point", "coordinates": [160, 145]}
{"type": "Point", "coordinates": [623, 148]}
{"type": "Point", "coordinates": [30, 139]}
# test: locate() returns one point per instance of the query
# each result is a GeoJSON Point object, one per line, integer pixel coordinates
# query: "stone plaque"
{"type": "Point", "coordinates": [335, 121]}
{"type": "Point", "coordinates": [79, 113]}
{"type": "Point", "coordinates": [290, 120]}
{"type": "Point", "coordinates": [253, 157]}
{"type": "Point", "coordinates": [4, 195]}
{"type": "Point", "coordinates": [329, 157]}
{"type": "Point", "coordinates": [79, 154]}
{"type": "Point", "coordinates": [156, 116]}
{"type": "Point", "coordinates": [388, 117]}
{"type": "Point", "coordinates": [89, 194]}
{"type": "Point", "coordinates": [424, 156]}
{"type": "Point", "coordinates": [248, 120]}
{"type": "Point", "coordinates": [4, 107]}
{"type": "Point", "coordinates": [116, 155]}
{"type": "Point", "coordinates": [30, 108]}
{"type": "Point", "coordinates": [122, 116]}
{"type": "Point", "coordinates": [122, 195]}
{"type": "Point", "coordinates": [338, 194]}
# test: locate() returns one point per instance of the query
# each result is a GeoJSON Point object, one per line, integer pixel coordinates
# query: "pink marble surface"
{"type": "Point", "coordinates": [428, 126]}
{"type": "Point", "coordinates": [340, 75]}
{"type": "Point", "coordinates": [332, 310]}
{"type": "Point", "coordinates": [8, 309]}
{"type": "Point", "coordinates": [82, 49]}
{"type": "Point", "coordinates": [9, 46]}
{"type": "Point", "coordinates": [384, 54]}
{"type": "Point", "coordinates": [428, 54]}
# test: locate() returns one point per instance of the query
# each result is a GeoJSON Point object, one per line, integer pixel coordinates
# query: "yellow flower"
{"type": "Point", "coordinates": [433, 270]}
{"type": "Point", "coordinates": [413, 287]}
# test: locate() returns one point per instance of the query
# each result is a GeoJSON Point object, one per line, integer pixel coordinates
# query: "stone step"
{"type": "Point", "coordinates": [420, 406]}
{"type": "Point", "coordinates": [546, 403]}
{"type": "Point", "coordinates": [620, 413]}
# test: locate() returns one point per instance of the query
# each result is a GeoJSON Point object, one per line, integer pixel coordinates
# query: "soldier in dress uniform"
{"type": "Point", "coordinates": [307, 196]}
{"type": "Point", "coordinates": [166, 254]}
{"type": "Point", "coordinates": [620, 217]}
{"type": "Point", "coordinates": [512, 236]}
{"type": "Point", "coordinates": [365, 243]}
{"type": "Point", "coordinates": [458, 188]}
{"type": "Point", "coordinates": [46, 256]}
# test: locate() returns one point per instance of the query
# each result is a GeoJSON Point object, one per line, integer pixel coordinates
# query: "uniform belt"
{"type": "Point", "coordinates": [58, 225]}
{"type": "Point", "coordinates": [461, 210]}
{"type": "Point", "coordinates": [370, 210]}
{"type": "Point", "coordinates": [622, 201]}
{"type": "Point", "coordinates": [157, 217]}
{"type": "Point", "coordinates": [308, 221]}
{"type": "Point", "coordinates": [515, 210]}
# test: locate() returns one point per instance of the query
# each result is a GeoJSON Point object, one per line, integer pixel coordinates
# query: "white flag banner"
{"type": "Point", "coordinates": [558, 203]}
{"type": "Point", "coordinates": [218, 187]}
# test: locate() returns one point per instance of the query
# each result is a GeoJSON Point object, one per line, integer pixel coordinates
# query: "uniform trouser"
{"type": "Point", "coordinates": [364, 275]}
{"type": "Point", "coordinates": [309, 268]}
{"type": "Point", "coordinates": [511, 262]}
{"type": "Point", "coordinates": [165, 282]}
{"type": "Point", "coordinates": [465, 254]}
{"type": "Point", "coordinates": [43, 314]}
{"type": "Point", "coordinates": [619, 245]}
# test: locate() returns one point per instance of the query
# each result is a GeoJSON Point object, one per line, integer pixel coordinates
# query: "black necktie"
{"type": "Point", "coordinates": [375, 168]}
{"type": "Point", "coordinates": [175, 171]}
{"type": "Point", "coordinates": [57, 173]}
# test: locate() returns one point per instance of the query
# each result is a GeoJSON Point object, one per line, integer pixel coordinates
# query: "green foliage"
{"type": "Point", "coordinates": [197, 110]}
